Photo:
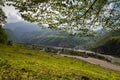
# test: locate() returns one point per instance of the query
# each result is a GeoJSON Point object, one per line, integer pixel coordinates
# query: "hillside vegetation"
{"type": "Point", "coordinates": [109, 43]}
{"type": "Point", "coordinates": [3, 36]}
{"type": "Point", "coordinates": [20, 63]}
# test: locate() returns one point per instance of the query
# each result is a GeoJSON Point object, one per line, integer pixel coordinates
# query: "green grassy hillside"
{"type": "Point", "coordinates": [20, 63]}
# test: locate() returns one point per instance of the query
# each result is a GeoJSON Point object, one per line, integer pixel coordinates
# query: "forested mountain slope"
{"type": "Point", "coordinates": [109, 43]}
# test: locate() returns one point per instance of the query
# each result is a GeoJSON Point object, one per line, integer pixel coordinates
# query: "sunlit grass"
{"type": "Point", "coordinates": [22, 63]}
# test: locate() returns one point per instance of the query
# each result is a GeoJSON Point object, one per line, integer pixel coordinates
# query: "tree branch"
{"type": "Point", "coordinates": [89, 8]}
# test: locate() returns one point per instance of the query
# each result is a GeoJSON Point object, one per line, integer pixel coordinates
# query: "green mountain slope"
{"type": "Point", "coordinates": [19, 63]}
{"type": "Point", "coordinates": [51, 38]}
{"type": "Point", "coordinates": [109, 43]}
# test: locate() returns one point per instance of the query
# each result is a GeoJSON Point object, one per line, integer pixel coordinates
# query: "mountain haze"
{"type": "Point", "coordinates": [34, 34]}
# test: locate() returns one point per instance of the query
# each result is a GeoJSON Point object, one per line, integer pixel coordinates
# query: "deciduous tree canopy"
{"type": "Point", "coordinates": [74, 16]}
{"type": "Point", "coordinates": [3, 35]}
{"type": "Point", "coordinates": [2, 14]}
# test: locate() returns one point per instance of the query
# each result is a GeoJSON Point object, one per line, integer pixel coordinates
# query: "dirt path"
{"type": "Point", "coordinates": [96, 62]}
{"type": "Point", "coordinates": [113, 59]}
{"type": "Point", "coordinates": [109, 57]}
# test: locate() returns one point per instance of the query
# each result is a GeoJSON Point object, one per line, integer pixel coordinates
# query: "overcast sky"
{"type": "Point", "coordinates": [12, 14]}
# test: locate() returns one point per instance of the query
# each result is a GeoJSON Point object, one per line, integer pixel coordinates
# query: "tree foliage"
{"type": "Point", "coordinates": [74, 16]}
{"type": "Point", "coordinates": [2, 14]}
{"type": "Point", "coordinates": [3, 35]}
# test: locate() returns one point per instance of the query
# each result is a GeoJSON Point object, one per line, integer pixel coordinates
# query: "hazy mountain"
{"type": "Point", "coordinates": [19, 28]}
{"type": "Point", "coordinates": [32, 33]}
{"type": "Point", "coordinates": [11, 35]}
{"type": "Point", "coordinates": [52, 38]}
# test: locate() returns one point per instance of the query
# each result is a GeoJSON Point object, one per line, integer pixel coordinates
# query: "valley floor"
{"type": "Point", "coordinates": [20, 63]}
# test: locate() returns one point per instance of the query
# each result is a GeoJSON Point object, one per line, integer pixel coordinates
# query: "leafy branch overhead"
{"type": "Point", "coordinates": [2, 14]}
{"type": "Point", "coordinates": [74, 16]}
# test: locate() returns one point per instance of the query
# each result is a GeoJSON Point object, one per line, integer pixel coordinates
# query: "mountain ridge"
{"type": "Point", "coordinates": [32, 33]}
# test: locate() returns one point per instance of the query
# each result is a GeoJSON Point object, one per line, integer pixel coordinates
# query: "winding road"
{"type": "Point", "coordinates": [96, 62]}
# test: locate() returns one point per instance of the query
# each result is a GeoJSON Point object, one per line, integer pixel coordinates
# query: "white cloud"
{"type": "Point", "coordinates": [12, 14]}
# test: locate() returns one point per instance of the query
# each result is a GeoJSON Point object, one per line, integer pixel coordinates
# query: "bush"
{"type": "Point", "coordinates": [71, 52]}
{"type": "Point", "coordinates": [3, 36]}
{"type": "Point", "coordinates": [50, 49]}
{"type": "Point", "coordinates": [10, 43]}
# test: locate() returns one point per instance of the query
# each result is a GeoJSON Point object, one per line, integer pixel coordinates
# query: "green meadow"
{"type": "Point", "coordinates": [21, 63]}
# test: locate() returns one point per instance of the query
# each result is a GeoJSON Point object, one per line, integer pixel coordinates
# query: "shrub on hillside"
{"type": "Point", "coordinates": [10, 43]}
{"type": "Point", "coordinates": [52, 50]}
{"type": "Point", "coordinates": [71, 52]}
{"type": "Point", "coordinates": [3, 36]}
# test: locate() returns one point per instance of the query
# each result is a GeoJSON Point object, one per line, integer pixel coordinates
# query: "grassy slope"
{"type": "Point", "coordinates": [24, 64]}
